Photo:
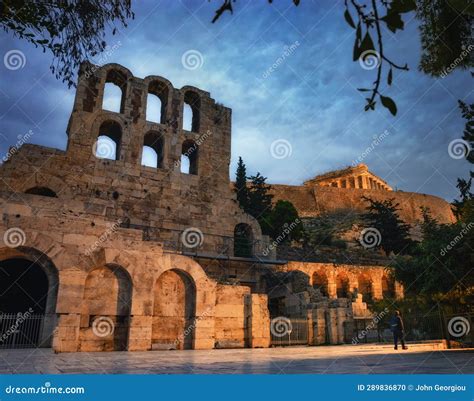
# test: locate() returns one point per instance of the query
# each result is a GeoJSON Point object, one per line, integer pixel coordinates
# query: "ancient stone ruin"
{"type": "Point", "coordinates": [109, 254]}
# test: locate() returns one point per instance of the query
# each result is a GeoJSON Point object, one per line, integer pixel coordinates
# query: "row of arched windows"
{"type": "Point", "coordinates": [108, 146]}
{"type": "Point", "coordinates": [320, 281]}
{"type": "Point", "coordinates": [156, 104]}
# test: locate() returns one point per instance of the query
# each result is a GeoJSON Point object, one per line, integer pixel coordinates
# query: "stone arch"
{"type": "Point", "coordinates": [107, 302]}
{"type": "Point", "coordinates": [342, 285]}
{"type": "Point", "coordinates": [365, 285]}
{"type": "Point", "coordinates": [174, 310]}
{"type": "Point", "coordinates": [205, 290]}
{"type": "Point", "coordinates": [109, 140]}
{"type": "Point", "coordinates": [41, 181]}
{"type": "Point", "coordinates": [162, 89]}
{"type": "Point", "coordinates": [35, 263]}
{"type": "Point", "coordinates": [388, 286]}
{"type": "Point", "coordinates": [243, 240]}
{"type": "Point", "coordinates": [154, 143]}
{"type": "Point", "coordinates": [244, 218]}
{"type": "Point", "coordinates": [119, 76]}
{"type": "Point", "coordinates": [320, 282]}
{"type": "Point", "coordinates": [41, 191]}
{"type": "Point", "coordinates": [189, 157]}
{"type": "Point", "coordinates": [193, 100]}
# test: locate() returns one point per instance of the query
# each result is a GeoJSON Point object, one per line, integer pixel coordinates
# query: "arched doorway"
{"type": "Point", "coordinates": [106, 309]}
{"type": "Point", "coordinates": [365, 286]}
{"type": "Point", "coordinates": [28, 293]}
{"type": "Point", "coordinates": [388, 287]}
{"type": "Point", "coordinates": [342, 285]}
{"type": "Point", "coordinates": [174, 311]}
{"type": "Point", "coordinates": [320, 282]}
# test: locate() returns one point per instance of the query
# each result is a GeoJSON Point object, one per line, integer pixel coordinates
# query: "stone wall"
{"type": "Point", "coordinates": [314, 201]}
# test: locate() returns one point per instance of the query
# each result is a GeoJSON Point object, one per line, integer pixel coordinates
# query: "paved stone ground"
{"type": "Point", "coordinates": [322, 359]}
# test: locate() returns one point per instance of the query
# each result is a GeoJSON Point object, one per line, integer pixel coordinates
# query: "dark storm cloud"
{"type": "Point", "coordinates": [306, 96]}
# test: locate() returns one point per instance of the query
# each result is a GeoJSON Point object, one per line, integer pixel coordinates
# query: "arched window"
{"type": "Point", "coordinates": [365, 287]}
{"type": "Point", "coordinates": [320, 282]}
{"type": "Point", "coordinates": [114, 91]}
{"type": "Point", "coordinates": [152, 155]}
{"type": "Point", "coordinates": [156, 102]}
{"type": "Point", "coordinates": [153, 108]}
{"type": "Point", "coordinates": [342, 285]}
{"type": "Point", "coordinates": [388, 287]}
{"type": "Point", "coordinates": [108, 141]}
{"type": "Point", "coordinates": [191, 112]}
{"type": "Point", "coordinates": [243, 241]}
{"type": "Point", "coordinates": [41, 191]}
{"type": "Point", "coordinates": [189, 157]}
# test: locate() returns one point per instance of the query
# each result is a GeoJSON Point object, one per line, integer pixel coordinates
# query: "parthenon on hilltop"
{"type": "Point", "coordinates": [350, 177]}
{"type": "Point", "coordinates": [101, 251]}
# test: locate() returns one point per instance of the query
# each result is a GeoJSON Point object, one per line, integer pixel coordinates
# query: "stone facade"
{"type": "Point", "coordinates": [144, 258]}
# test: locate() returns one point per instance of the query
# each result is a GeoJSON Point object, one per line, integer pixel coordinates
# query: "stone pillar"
{"type": "Point", "coordinates": [140, 333]}
{"type": "Point", "coordinates": [319, 325]}
{"type": "Point", "coordinates": [66, 335]}
{"type": "Point", "coordinates": [398, 290]}
{"type": "Point", "coordinates": [377, 288]}
{"type": "Point", "coordinates": [341, 318]}
{"type": "Point", "coordinates": [258, 320]}
{"type": "Point", "coordinates": [365, 182]}
{"type": "Point", "coordinates": [332, 287]}
{"type": "Point", "coordinates": [331, 324]}
{"type": "Point", "coordinates": [310, 313]}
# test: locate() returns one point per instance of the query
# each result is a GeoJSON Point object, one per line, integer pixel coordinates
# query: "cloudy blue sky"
{"type": "Point", "coordinates": [309, 100]}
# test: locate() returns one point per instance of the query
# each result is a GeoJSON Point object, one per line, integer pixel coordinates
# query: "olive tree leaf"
{"type": "Point", "coordinates": [349, 20]}
{"type": "Point", "coordinates": [389, 104]}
